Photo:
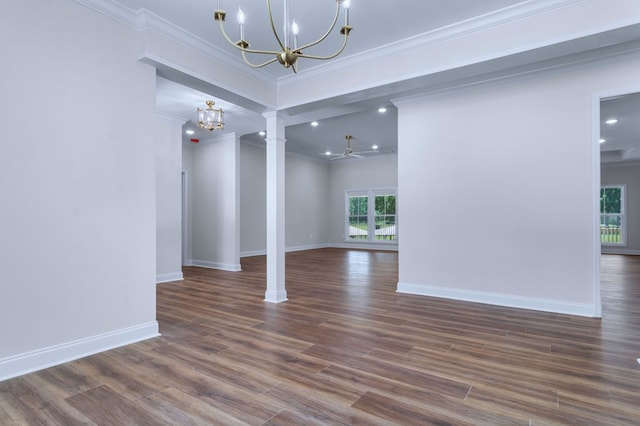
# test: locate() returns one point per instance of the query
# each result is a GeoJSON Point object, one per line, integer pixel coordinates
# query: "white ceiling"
{"type": "Point", "coordinates": [375, 23]}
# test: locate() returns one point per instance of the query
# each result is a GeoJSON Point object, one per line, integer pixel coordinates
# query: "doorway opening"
{"type": "Point", "coordinates": [617, 140]}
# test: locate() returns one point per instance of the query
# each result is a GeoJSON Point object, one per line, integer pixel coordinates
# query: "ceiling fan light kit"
{"type": "Point", "coordinates": [289, 51]}
{"type": "Point", "coordinates": [348, 152]}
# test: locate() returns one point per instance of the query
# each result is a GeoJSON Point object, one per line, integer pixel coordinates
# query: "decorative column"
{"type": "Point", "coordinates": [276, 291]}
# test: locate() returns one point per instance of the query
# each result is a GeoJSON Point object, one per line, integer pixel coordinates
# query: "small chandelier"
{"type": "Point", "coordinates": [289, 50]}
{"type": "Point", "coordinates": [211, 118]}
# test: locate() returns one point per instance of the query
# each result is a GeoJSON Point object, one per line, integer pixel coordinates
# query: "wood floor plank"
{"type": "Point", "coordinates": [512, 400]}
{"type": "Point", "coordinates": [104, 406]}
{"type": "Point", "coordinates": [247, 337]}
{"type": "Point", "coordinates": [323, 408]}
{"type": "Point", "coordinates": [243, 405]}
{"type": "Point", "coordinates": [278, 362]}
{"type": "Point", "coordinates": [177, 408]}
{"type": "Point", "coordinates": [290, 418]}
{"type": "Point", "coordinates": [124, 377]}
{"type": "Point", "coordinates": [348, 349]}
{"type": "Point", "coordinates": [29, 410]}
{"type": "Point", "coordinates": [399, 412]}
{"type": "Point", "coordinates": [228, 372]}
{"type": "Point", "coordinates": [422, 399]}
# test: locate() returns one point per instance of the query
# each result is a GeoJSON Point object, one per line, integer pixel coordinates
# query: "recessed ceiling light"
{"type": "Point", "coordinates": [189, 132]}
{"type": "Point", "coordinates": [612, 121]}
{"type": "Point", "coordinates": [262, 133]}
{"type": "Point", "coordinates": [603, 140]}
{"type": "Point", "coordinates": [314, 123]}
{"type": "Point", "coordinates": [382, 110]}
{"type": "Point", "coordinates": [374, 147]}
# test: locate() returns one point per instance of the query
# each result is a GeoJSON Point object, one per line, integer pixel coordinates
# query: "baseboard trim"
{"type": "Point", "coordinates": [355, 246]}
{"type": "Point", "coordinates": [287, 250]}
{"type": "Point", "coordinates": [29, 362]}
{"type": "Point", "coordinates": [545, 305]}
{"type": "Point", "coordinates": [165, 278]}
{"type": "Point", "coordinates": [253, 253]}
{"type": "Point", "coordinates": [304, 248]}
{"type": "Point", "coordinates": [366, 246]}
{"type": "Point", "coordinates": [615, 250]}
{"type": "Point", "coordinates": [231, 267]}
{"type": "Point", "coordinates": [275, 296]}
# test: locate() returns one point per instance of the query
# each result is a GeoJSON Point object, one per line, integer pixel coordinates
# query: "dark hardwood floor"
{"type": "Point", "coordinates": [347, 349]}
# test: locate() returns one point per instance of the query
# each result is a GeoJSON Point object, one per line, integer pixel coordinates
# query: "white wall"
{"type": "Point", "coordinates": [168, 142]}
{"type": "Point", "coordinates": [306, 212]}
{"type": "Point", "coordinates": [630, 177]}
{"type": "Point", "coordinates": [215, 203]}
{"type": "Point", "coordinates": [187, 169]}
{"type": "Point", "coordinates": [253, 200]}
{"type": "Point", "coordinates": [375, 172]}
{"type": "Point", "coordinates": [306, 199]}
{"type": "Point", "coordinates": [502, 181]}
{"type": "Point", "coordinates": [77, 186]}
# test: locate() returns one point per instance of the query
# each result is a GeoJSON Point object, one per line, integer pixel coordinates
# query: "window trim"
{"type": "Point", "coordinates": [623, 214]}
{"type": "Point", "coordinates": [370, 194]}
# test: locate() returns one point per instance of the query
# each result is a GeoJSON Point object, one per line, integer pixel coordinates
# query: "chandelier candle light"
{"type": "Point", "coordinates": [211, 118]}
{"type": "Point", "coordinates": [289, 50]}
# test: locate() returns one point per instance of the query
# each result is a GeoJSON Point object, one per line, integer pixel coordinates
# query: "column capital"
{"type": "Point", "coordinates": [275, 114]}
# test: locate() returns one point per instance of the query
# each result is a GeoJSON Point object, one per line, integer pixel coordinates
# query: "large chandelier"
{"type": "Point", "coordinates": [211, 118]}
{"type": "Point", "coordinates": [289, 50]}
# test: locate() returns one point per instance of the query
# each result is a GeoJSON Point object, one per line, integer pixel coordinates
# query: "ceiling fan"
{"type": "Point", "coordinates": [348, 152]}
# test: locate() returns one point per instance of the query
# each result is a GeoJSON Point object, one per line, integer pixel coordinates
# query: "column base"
{"type": "Point", "coordinates": [275, 297]}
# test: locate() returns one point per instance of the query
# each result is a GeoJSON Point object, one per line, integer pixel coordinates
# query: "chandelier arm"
{"type": "Point", "coordinates": [344, 44]}
{"type": "Point", "coordinates": [286, 56]}
{"type": "Point", "coordinates": [262, 52]}
{"type": "Point", "coordinates": [273, 27]}
{"type": "Point", "coordinates": [321, 39]}
{"type": "Point", "coordinates": [244, 49]}
{"type": "Point", "coordinates": [224, 33]}
{"type": "Point", "coordinates": [246, 61]}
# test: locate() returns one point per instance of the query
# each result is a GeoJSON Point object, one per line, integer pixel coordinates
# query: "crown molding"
{"type": "Point", "coordinates": [144, 20]}
{"type": "Point", "coordinates": [440, 35]}
{"type": "Point", "coordinates": [115, 11]}
{"type": "Point", "coordinates": [520, 74]}
{"type": "Point", "coordinates": [618, 164]}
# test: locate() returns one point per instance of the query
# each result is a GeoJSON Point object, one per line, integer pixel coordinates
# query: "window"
{"type": "Point", "coordinates": [358, 217]}
{"type": "Point", "coordinates": [612, 219]}
{"type": "Point", "coordinates": [371, 215]}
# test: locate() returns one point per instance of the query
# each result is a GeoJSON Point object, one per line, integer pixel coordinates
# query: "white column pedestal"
{"type": "Point", "coordinates": [276, 291]}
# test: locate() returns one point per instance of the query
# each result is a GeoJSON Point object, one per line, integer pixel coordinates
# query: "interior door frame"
{"type": "Point", "coordinates": [185, 220]}
{"type": "Point", "coordinates": [596, 182]}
